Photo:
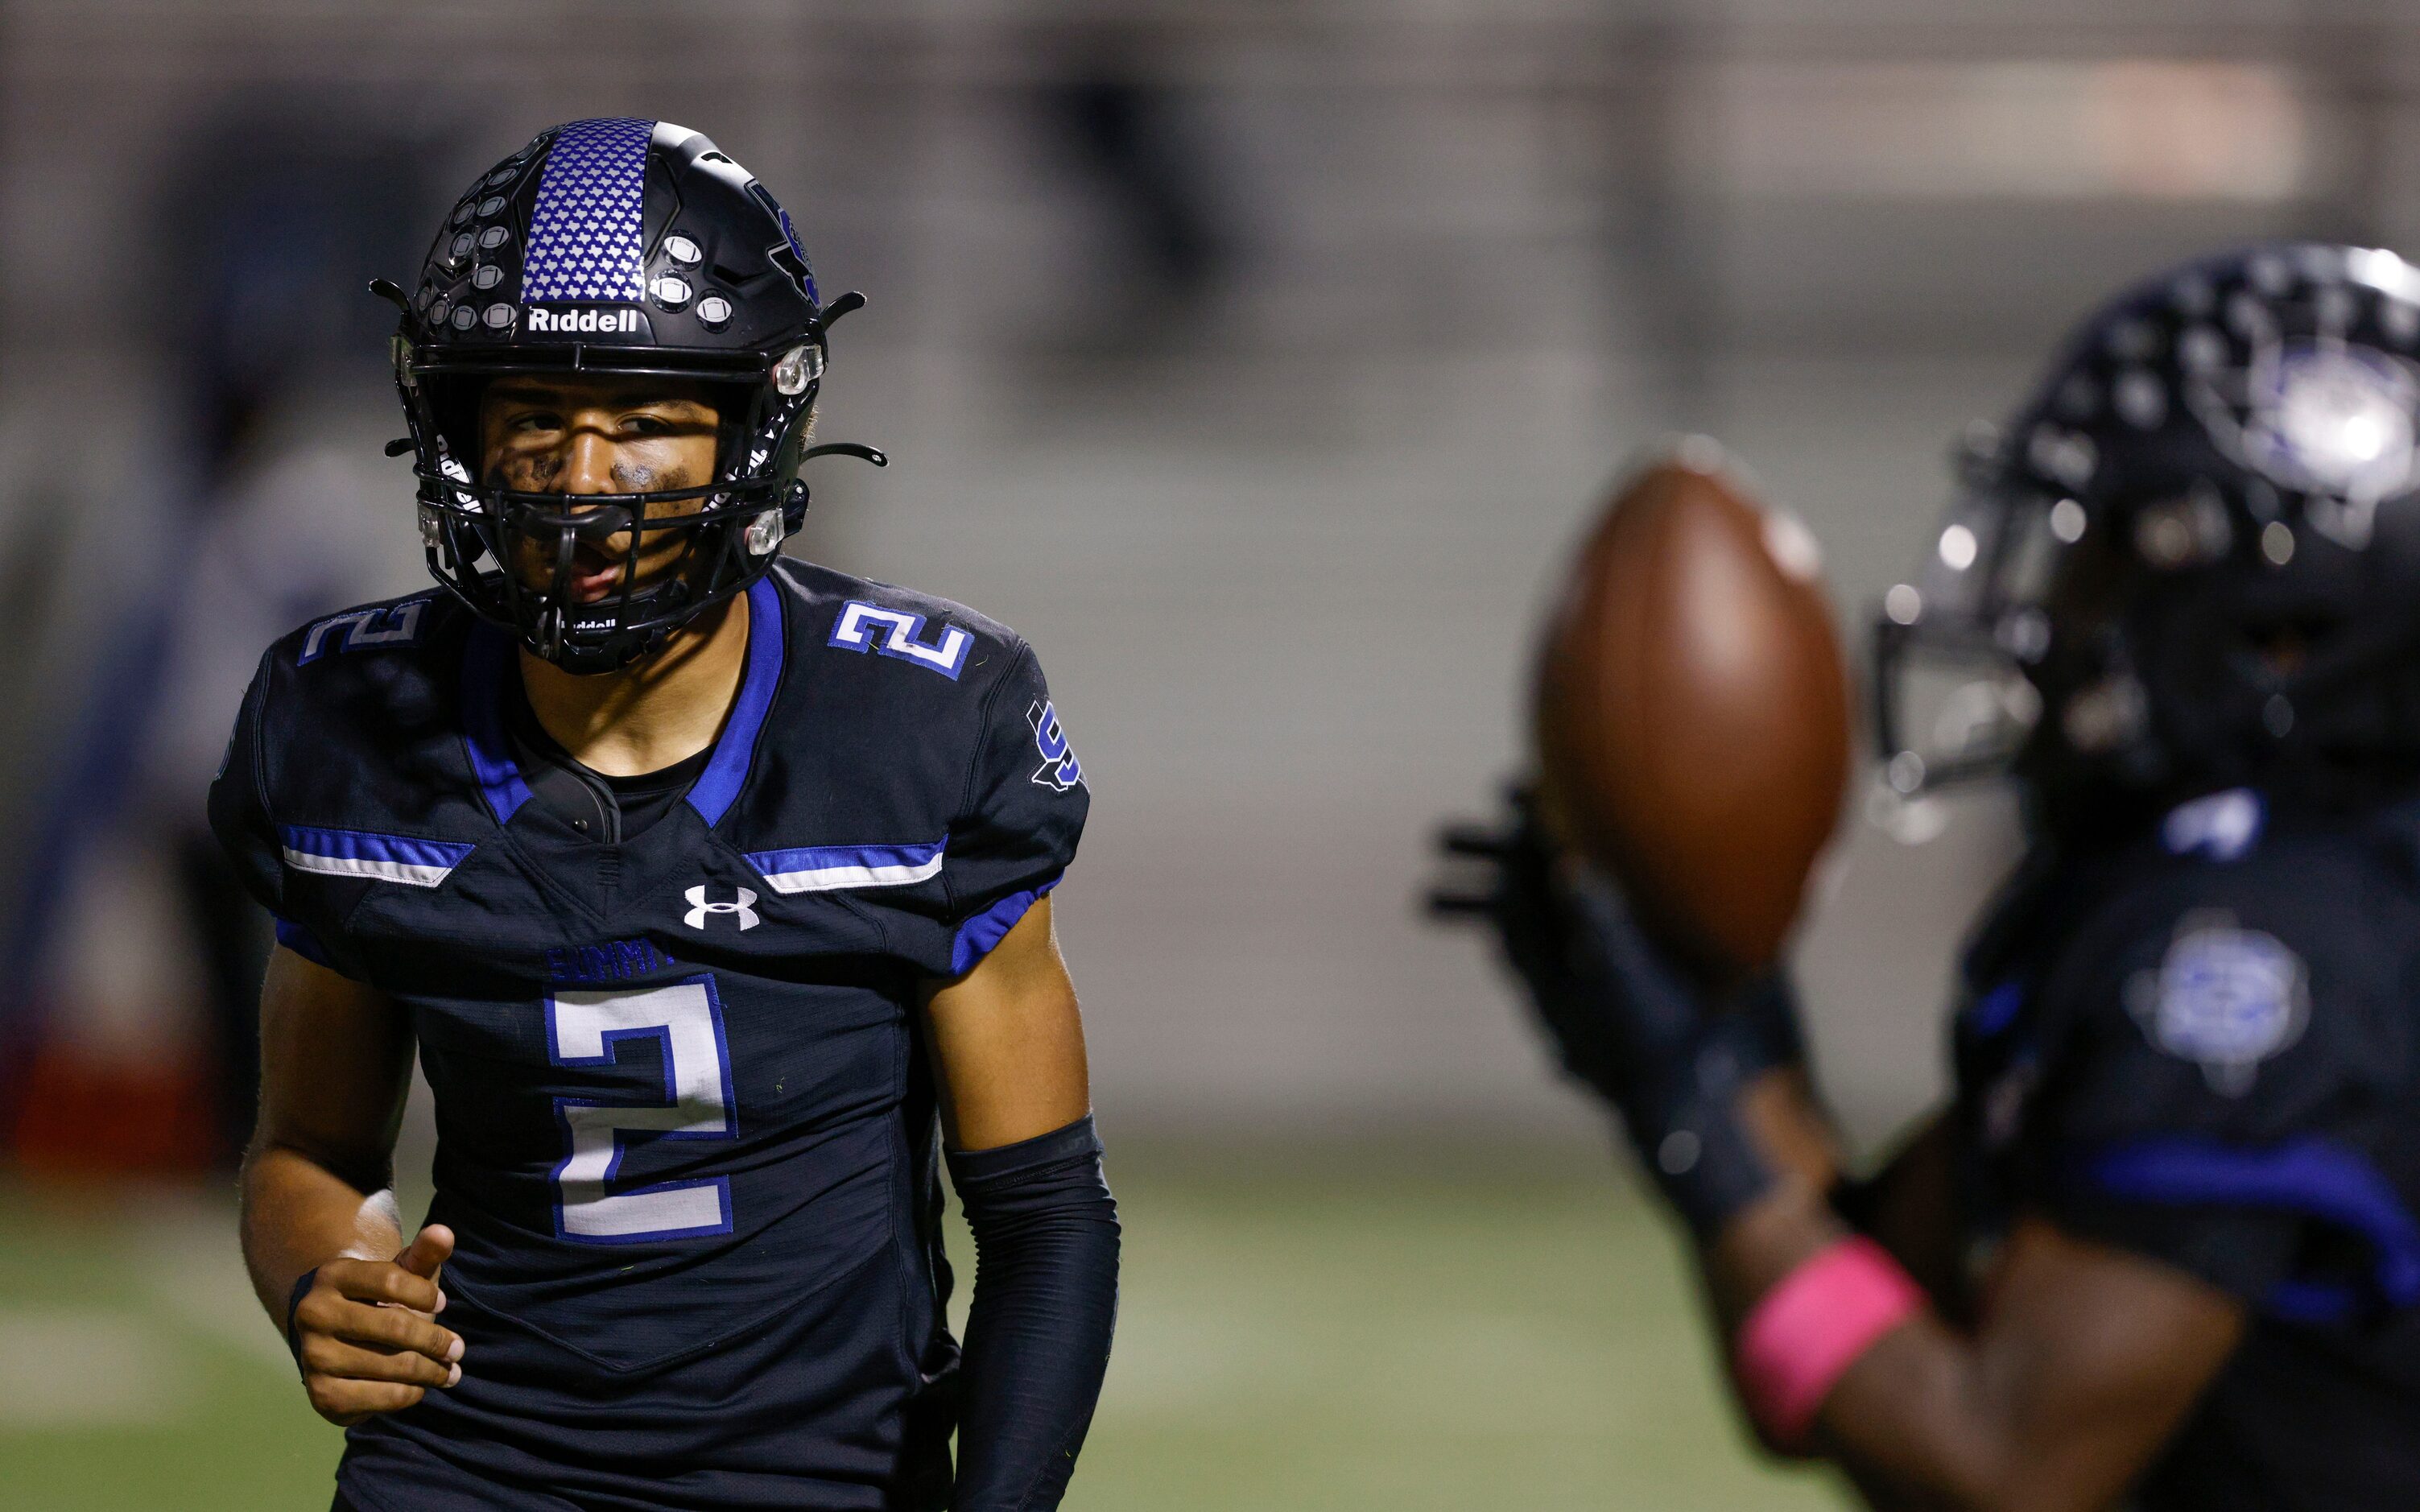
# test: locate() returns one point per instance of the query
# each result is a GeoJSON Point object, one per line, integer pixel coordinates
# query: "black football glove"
{"type": "Point", "coordinates": [1625, 1017]}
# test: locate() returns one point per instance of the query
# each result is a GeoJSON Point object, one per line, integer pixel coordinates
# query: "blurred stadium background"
{"type": "Point", "coordinates": [1254, 359]}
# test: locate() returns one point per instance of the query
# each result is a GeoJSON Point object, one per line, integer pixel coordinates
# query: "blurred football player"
{"type": "Point", "coordinates": [2165, 1244]}
{"type": "Point", "coordinates": [708, 883]}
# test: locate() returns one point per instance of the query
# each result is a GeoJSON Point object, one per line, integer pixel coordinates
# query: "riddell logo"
{"type": "Point", "coordinates": [584, 320]}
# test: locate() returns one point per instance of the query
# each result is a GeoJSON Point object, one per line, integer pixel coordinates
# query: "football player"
{"type": "Point", "coordinates": [2165, 1244]}
{"type": "Point", "coordinates": [708, 886]}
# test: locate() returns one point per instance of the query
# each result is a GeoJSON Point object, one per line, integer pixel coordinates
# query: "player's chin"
{"type": "Point", "coordinates": [585, 588]}
{"type": "Point", "coordinates": [577, 587]}
{"type": "Point", "coordinates": [592, 576]}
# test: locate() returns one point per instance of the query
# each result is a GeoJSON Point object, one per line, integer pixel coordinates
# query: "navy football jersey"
{"type": "Point", "coordinates": [686, 1135]}
{"type": "Point", "coordinates": [2200, 1046]}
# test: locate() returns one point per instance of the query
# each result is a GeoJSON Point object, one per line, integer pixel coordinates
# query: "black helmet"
{"type": "Point", "coordinates": [2192, 560]}
{"type": "Point", "coordinates": [624, 248]}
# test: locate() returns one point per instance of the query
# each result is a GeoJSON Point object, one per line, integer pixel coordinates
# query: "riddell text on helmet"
{"type": "Point", "coordinates": [592, 319]}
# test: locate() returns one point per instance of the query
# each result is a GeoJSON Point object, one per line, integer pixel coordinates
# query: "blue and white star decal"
{"type": "Point", "coordinates": [583, 241]}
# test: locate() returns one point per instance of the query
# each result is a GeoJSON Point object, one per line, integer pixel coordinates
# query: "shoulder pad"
{"type": "Point", "coordinates": [860, 617]}
{"type": "Point", "coordinates": [388, 625]}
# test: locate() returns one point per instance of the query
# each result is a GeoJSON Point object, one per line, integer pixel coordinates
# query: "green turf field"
{"type": "Point", "coordinates": [1338, 1328]}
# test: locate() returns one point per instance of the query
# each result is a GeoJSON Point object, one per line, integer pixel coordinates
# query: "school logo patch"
{"type": "Point", "coordinates": [1060, 769]}
{"type": "Point", "coordinates": [2224, 997]}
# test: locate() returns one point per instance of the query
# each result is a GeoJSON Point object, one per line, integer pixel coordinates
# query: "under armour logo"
{"type": "Point", "coordinates": [700, 908]}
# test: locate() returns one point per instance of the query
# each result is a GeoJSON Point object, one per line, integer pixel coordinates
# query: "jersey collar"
{"type": "Point", "coordinates": [487, 664]}
{"type": "Point", "coordinates": [712, 794]}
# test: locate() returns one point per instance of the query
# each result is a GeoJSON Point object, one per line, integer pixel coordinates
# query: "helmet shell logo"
{"type": "Point", "coordinates": [806, 269]}
{"type": "Point", "coordinates": [2333, 420]}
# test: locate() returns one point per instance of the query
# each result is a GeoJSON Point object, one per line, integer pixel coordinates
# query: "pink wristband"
{"type": "Point", "coordinates": [1803, 1335]}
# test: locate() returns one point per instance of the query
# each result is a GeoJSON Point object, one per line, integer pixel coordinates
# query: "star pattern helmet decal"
{"type": "Point", "coordinates": [584, 238]}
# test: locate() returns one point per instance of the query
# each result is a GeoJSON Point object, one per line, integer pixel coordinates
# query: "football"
{"type": "Point", "coordinates": [1692, 710]}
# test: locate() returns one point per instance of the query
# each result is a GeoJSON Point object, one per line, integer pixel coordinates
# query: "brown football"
{"type": "Point", "coordinates": [1692, 711]}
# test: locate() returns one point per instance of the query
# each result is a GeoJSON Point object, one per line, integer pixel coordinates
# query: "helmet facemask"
{"type": "Point", "coordinates": [1952, 701]}
{"type": "Point", "coordinates": [513, 554]}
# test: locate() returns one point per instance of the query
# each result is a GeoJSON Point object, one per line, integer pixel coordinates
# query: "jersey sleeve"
{"type": "Point", "coordinates": [1023, 814]}
{"type": "Point", "coordinates": [240, 818]}
{"type": "Point", "coordinates": [2213, 1102]}
{"type": "Point", "coordinates": [238, 802]}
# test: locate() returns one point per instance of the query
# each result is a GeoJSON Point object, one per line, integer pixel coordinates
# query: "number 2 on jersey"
{"type": "Point", "coordinates": [586, 1029]}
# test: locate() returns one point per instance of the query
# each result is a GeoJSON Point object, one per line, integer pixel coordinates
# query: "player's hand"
{"type": "Point", "coordinates": [367, 1336]}
{"type": "Point", "coordinates": [1615, 1006]}
{"type": "Point", "coordinates": [1624, 1015]}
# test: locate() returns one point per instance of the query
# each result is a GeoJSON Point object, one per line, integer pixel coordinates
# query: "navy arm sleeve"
{"type": "Point", "coordinates": [1045, 1305]}
{"type": "Point", "coordinates": [2217, 1101]}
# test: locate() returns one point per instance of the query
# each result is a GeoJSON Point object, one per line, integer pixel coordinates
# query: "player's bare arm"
{"type": "Point", "coordinates": [1009, 1042]}
{"type": "Point", "coordinates": [317, 1198]}
{"type": "Point", "coordinates": [1008, 1046]}
{"type": "Point", "coordinates": [2081, 1361]}
{"type": "Point", "coordinates": [1907, 1204]}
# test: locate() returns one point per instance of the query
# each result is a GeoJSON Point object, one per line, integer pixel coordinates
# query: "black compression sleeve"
{"type": "Point", "coordinates": [1045, 1302]}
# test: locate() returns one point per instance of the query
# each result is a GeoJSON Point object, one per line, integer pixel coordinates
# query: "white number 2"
{"type": "Point", "coordinates": [584, 1029]}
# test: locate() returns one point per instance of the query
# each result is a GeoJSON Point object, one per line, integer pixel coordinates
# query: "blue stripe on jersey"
{"type": "Point", "coordinates": [2313, 1176]}
{"type": "Point", "coordinates": [484, 657]}
{"type": "Point", "coordinates": [822, 868]}
{"type": "Point", "coordinates": [584, 232]}
{"type": "Point", "coordinates": [978, 935]}
{"type": "Point", "coordinates": [716, 788]}
{"type": "Point", "coordinates": [393, 858]}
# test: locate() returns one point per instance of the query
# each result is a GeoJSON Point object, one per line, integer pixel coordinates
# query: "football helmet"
{"type": "Point", "coordinates": [613, 246]}
{"type": "Point", "coordinates": [2191, 560]}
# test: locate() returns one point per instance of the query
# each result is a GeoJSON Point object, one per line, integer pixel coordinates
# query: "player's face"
{"type": "Point", "coordinates": [596, 433]}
